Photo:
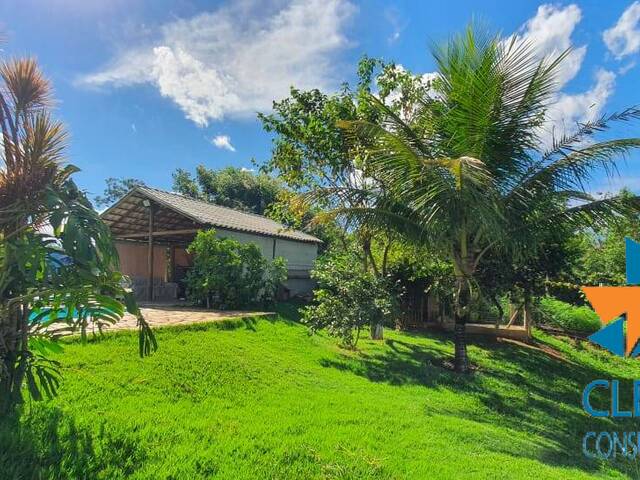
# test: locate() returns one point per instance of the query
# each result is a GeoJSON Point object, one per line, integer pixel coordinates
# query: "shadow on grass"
{"type": "Point", "coordinates": [290, 310]}
{"type": "Point", "coordinates": [248, 323]}
{"type": "Point", "coordinates": [531, 390]}
{"type": "Point", "coordinates": [48, 444]}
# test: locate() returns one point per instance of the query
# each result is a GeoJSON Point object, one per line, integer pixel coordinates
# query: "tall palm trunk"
{"type": "Point", "coordinates": [460, 315]}
{"type": "Point", "coordinates": [461, 361]}
{"type": "Point", "coordinates": [376, 329]}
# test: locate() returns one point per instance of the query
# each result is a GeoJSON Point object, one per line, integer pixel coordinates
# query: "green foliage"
{"type": "Point", "coordinates": [229, 274]}
{"type": "Point", "coordinates": [310, 151]}
{"type": "Point", "coordinates": [556, 313]}
{"type": "Point", "coordinates": [545, 270]}
{"type": "Point", "coordinates": [347, 298]}
{"type": "Point", "coordinates": [50, 283]}
{"type": "Point", "coordinates": [230, 187]}
{"type": "Point", "coordinates": [602, 256]}
{"type": "Point", "coordinates": [308, 148]}
{"type": "Point", "coordinates": [116, 189]}
{"type": "Point", "coordinates": [416, 271]}
{"type": "Point", "coordinates": [60, 283]}
{"type": "Point", "coordinates": [291, 209]}
{"type": "Point", "coordinates": [410, 262]}
{"type": "Point", "coordinates": [467, 174]}
{"type": "Point", "coordinates": [247, 399]}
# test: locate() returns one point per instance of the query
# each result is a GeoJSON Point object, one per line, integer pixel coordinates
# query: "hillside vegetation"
{"type": "Point", "coordinates": [261, 398]}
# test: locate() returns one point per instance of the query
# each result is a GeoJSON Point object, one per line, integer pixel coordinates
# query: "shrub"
{"type": "Point", "coordinates": [347, 298]}
{"type": "Point", "coordinates": [230, 274]}
{"type": "Point", "coordinates": [563, 315]}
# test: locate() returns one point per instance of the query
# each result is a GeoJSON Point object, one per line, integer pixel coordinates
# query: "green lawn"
{"type": "Point", "coordinates": [263, 399]}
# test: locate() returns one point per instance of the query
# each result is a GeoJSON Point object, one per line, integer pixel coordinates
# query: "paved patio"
{"type": "Point", "coordinates": [164, 315]}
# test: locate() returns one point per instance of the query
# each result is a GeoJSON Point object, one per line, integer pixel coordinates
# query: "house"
{"type": "Point", "coordinates": [152, 229]}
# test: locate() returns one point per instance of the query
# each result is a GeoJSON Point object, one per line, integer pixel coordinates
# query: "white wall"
{"type": "Point", "coordinates": [264, 243]}
{"type": "Point", "coordinates": [299, 255]}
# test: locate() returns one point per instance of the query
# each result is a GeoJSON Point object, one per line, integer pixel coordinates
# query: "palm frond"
{"type": "Point", "coordinates": [568, 141]}
{"type": "Point", "coordinates": [573, 170]}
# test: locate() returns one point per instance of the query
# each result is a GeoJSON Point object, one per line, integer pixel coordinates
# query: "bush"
{"type": "Point", "coordinates": [563, 315]}
{"type": "Point", "coordinates": [229, 274]}
{"type": "Point", "coordinates": [347, 298]}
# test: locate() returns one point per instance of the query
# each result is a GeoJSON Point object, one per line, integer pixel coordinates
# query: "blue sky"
{"type": "Point", "coordinates": [148, 86]}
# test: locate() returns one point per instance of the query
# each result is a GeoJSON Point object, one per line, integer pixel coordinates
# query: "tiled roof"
{"type": "Point", "coordinates": [223, 217]}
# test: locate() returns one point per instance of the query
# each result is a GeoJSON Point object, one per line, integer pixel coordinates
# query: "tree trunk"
{"type": "Point", "coordinates": [21, 367]}
{"type": "Point", "coordinates": [377, 331]}
{"type": "Point", "coordinates": [461, 361]}
{"type": "Point", "coordinates": [14, 360]}
{"type": "Point", "coordinates": [6, 383]}
{"type": "Point", "coordinates": [460, 316]}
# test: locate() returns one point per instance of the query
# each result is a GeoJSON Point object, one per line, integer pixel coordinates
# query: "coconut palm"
{"type": "Point", "coordinates": [58, 265]}
{"type": "Point", "coordinates": [470, 174]}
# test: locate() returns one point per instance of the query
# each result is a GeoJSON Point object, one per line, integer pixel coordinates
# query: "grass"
{"type": "Point", "coordinates": [556, 313]}
{"type": "Point", "coordinates": [263, 399]}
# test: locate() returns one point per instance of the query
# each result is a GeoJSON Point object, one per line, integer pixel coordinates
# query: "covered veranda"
{"type": "Point", "coordinates": [152, 229]}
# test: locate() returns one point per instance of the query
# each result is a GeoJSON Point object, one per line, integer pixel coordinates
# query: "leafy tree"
{"type": "Point", "coordinates": [116, 189]}
{"type": "Point", "coordinates": [545, 270]}
{"type": "Point", "coordinates": [230, 274]}
{"type": "Point", "coordinates": [312, 156]}
{"type": "Point", "coordinates": [49, 282]}
{"type": "Point", "coordinates": [230, 187]}
{"type": "Point", "coordinates": [415, 271]}
{"type": "Point", "coordinates": [468, 173]}
{"type": "Point", "coordinates": [291, 210]}
{"type": "Point", "coordinates": [602, 258]}
{"type": "Point", "coordinates": [347, 299]}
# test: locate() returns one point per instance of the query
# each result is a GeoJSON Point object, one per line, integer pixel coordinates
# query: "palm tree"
{"type": "Point", "coordinates": [469, 173]}
{"type": "Point", "coordinates": [48, 281]}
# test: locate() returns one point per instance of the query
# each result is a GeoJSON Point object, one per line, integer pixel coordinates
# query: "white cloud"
{"type": "Point", "coordinates": [394, 97]}
{"type": "Point", "coordinates": [624, 37]}
{"type": "Point", "coordinates": [129, 68]}
{"type": "Point", "coordinates": [394, 18]}
{"type": "Point", "coordinates": [549, 31]}
{"type": "Point", "coordinates": [238, 59]}
{"type": "Point", "coordinates": [625, 68]}
{"type": "Point", "coordinates": [224, 142]}
{"type": "Point", "coordinates": [568, 110]}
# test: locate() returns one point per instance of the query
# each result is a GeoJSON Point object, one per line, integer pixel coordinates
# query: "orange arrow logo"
{"type": "Point", "coordinates": [611, 302]}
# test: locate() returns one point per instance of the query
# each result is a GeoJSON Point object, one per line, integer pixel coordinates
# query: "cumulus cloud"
{"type": "Point", "coordinates": [623, 38]}
{"type": "Point", "coordinates": [224, 142]}
{"type": "Point", "coordinates": [550, 31]}
{"type": "Point", "coordinates": [238, 59]}
{"type": "Point", "coordinates": [568, 110]}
